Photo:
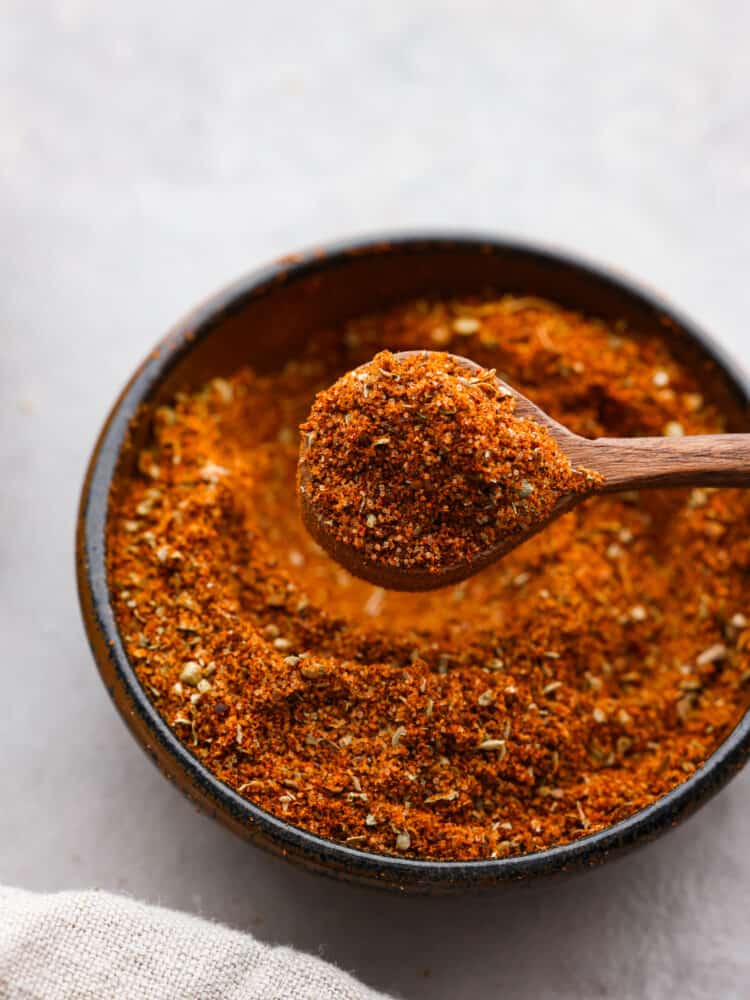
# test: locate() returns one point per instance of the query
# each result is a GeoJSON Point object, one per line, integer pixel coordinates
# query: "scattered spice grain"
{"type": "Point", "coordinates": [211, 568]}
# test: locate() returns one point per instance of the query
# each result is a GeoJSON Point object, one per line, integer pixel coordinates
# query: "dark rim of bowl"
{"type": "Point", "coordinates": [589, 850]}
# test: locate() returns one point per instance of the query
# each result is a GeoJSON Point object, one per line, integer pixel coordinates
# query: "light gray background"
{"type": "Point", "coordinates": [151, 151]}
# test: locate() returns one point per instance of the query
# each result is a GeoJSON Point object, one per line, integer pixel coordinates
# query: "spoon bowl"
{"type": "Point", "coordinates": [358, 562]}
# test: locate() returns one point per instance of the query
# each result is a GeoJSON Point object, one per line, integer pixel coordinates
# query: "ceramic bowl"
{"type": "Point", "coordinates": [262, 320]}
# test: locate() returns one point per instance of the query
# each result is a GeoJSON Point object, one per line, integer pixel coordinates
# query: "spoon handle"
{"type": "Point", "coordinates": [695, 460]}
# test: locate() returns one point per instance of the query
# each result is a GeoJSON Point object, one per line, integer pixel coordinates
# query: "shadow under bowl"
{"type": "Point", "coordinates": [262, 320]}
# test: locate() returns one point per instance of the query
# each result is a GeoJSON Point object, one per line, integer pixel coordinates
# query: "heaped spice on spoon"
{"type": "Point", "coordinates": [423, 463]}
{"type": "Point", "coordinates": [555, 693]}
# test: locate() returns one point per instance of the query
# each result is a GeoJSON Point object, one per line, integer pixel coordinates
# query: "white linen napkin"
{"type": "Point", "coordinates": [98, 946]}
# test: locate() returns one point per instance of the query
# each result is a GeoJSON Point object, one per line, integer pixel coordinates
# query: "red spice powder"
{"type": "Point", "coordinates": [423, 464]}
{"type": "Point", "coordinates": [557, 692]}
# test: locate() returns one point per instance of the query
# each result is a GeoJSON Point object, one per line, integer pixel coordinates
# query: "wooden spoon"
{"type": "Point", "coordinates": [624, 464]}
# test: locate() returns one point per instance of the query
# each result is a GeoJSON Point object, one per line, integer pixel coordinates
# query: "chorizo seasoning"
{"type": "Point", "coordinates": [422, 462]}
{"type": "Point", "coordinates": [554, 694]}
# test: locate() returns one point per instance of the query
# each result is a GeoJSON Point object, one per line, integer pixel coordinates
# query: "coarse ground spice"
{"type": "Point", "coordinates": [422, 463]}
{"type": "Point", "coordinates": [571, 684]}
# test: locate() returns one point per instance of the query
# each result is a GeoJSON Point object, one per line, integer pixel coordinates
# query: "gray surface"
{"type": "Point", "coordinates": [148, 153]}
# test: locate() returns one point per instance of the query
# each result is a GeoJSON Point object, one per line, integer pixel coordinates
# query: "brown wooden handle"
{"type": "Point", "coordinates": [695, 460]}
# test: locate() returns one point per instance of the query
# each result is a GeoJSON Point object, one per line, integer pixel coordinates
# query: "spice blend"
{"type": "Point", "coordinates": [559, 691]}
{"type": "Point", "coordinates": [421, 462]}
